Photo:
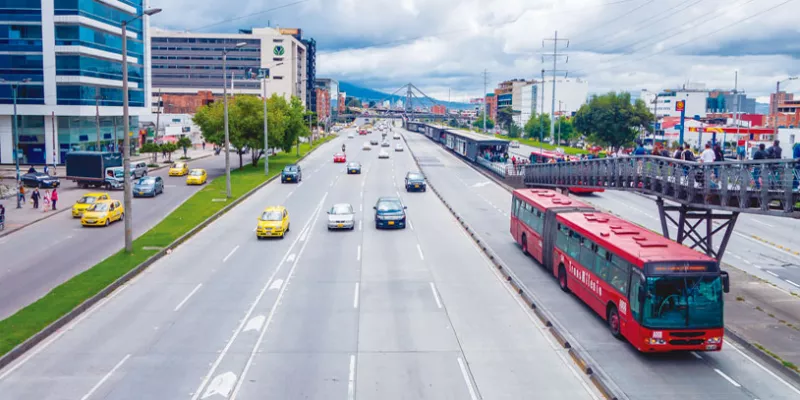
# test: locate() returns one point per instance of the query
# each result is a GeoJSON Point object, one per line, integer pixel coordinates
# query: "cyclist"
{"type": "Point", "coordinates": [343, 146]}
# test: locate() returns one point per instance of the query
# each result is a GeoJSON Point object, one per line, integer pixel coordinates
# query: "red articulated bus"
{"type": "Point", "coordinates": [659, 295]}
{"type": "Point", "coordinates": [544, 156]}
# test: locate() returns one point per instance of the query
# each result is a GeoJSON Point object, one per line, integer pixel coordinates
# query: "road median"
{"type": "Point", "coordinates": [32, 324]}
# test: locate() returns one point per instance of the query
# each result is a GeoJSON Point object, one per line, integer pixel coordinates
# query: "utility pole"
{"type": "Point", "coordinates": [736, 112]}
{"type": "Point", "coordinates": [485, 106]}
{"type": "Point", "coordinates": [555, 56]}
{"type": "Point", "coordinates": [97, 116]}
{"type": "Point", "coordinates": [559, 121]}
{"type": "Point", "coordinates": [541, 118]}
{"type": "Point", "coordinates": [266, 129]}
{"type": "Point", "coordinates": [158, 115]}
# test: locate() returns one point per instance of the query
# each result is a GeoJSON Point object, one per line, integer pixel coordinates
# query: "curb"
{"type": "Point", "coordinates": [8, 232]}
{"type": "Point", "coordinates": [40, 336]}
{"type": "Point", "coordinates": [778, 366]}
{"type": "Point", "coordinates": [581, 360]}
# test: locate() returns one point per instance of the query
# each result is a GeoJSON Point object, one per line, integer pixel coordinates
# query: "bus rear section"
{"type": "Point", "coordinates": [657, 294]}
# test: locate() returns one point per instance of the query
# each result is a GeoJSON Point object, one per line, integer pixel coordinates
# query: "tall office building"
{"type": "Point", "coordinates": [65, 58]}
{"type": "Point", "coordinates": [331, 87]}
{"type": "Point", "coordinates": [188, 64]}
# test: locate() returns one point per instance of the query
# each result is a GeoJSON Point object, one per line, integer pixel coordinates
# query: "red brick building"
{"type": "Point", "coordinates": [323, 104]}
{"type": "Point", "coordinates": [491, 105]}
{"type": "Point", "coordinates": [184, 103]}
{"type": "Point", "coordinates": [439, 109]}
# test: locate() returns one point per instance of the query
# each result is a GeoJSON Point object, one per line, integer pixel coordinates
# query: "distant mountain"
{"type": "Point", "coordinates": [762, 108]}
{"type": "Point", "coordinates": [368, 94]}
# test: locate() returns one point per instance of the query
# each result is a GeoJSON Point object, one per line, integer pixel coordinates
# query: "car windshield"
{"type": "Point", "coordinates": [146, 181]}
{"type": "Point", "coordinates": [99, 207]}
{"type": "Point", "coordinates": [339, 155]}
{"type": "Point", "coordinates": [272, 216]}
{"type": "Point", "coordinates": [177, 165]}
{"type": "Point", "coordinates": [290, 168]}
{"type": "Point", "coordinates": [415, 177]}
{"type": "Point", "coordinates": [341, 209]}
{"type": "Point", "coordinates": [389, 206]}
{"type": "Point", "coordinates": [196, 172]}
{"type": "Point", "coordinates": [87, 200]}
{"type": "Point", "coordinates": [683, 302]}
{"type": "Point", "coordinates": [118, 173]}
{"type": "Point", "coordinates": [353, 165]}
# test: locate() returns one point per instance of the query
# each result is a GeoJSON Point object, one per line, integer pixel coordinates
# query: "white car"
{"type": "Point", "coordinates": [514, 144]}
{"type": "Point", "coordinates": [396, 136]}
{"type": "Point", "coordinates": [383, 154]}
{"type": "Point", "coordinates": [399, 147]}
{"type": "Point", "coordinates": [341, 216]}
{"type": "Point", "coordinates": [366, 146]}
{"type": "Point", "coordinates": [350, 135]}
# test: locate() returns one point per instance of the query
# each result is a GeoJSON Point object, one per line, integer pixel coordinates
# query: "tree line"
{"type": "Point", "coordinates": [287, 122]}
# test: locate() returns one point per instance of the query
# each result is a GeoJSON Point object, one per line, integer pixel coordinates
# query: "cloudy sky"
{"type": "Point", "coordinates": [445, 45]}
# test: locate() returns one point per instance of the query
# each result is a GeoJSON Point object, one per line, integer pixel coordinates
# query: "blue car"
{"type": "Point", "coordinates": [415, 182]}
{"type": "Point", "coordinates": [390, 213]}
{"type": "Point", "coordinates": [291, 173]}
{"type": "Point", "coordinates": [148, 186]}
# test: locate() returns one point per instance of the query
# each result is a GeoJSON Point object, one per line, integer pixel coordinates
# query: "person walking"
{"type": "Point", "coordinates": [760, 154]}
{"type": "Point", "coordinates": [35, 196]}
{"type": "Point", "coordinates": [21, 192]}
{"type": "Point", "coordinates": [54, 198]}
{"type": "Point", "coordinates": [46, 201]}
{"type": "Point", "coordinates": [774, 152]}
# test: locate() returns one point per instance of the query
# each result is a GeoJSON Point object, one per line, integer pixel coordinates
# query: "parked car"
{"type": "Point", "coordinates": [39, 180]}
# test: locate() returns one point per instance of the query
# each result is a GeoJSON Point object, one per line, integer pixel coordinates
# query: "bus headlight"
{"type": "Point", "coordinates": [654, 341]}
{"type": "Point", "coordinates": [714, 340]}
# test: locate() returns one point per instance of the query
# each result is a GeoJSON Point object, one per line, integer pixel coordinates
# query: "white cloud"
{"type": "Point", "coordinates": [446, 44]}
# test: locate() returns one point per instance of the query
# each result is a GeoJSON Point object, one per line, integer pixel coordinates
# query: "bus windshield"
{"type": "Point", "coordinates": [693, 301]}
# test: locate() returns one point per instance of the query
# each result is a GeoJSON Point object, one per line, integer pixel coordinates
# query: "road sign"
{"type": "Point", "coordinates": [680, 105]}
{"type": "Point", "coordinates": [263, 73]}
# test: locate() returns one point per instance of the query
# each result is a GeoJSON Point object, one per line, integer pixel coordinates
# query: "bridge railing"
{"type": "Point", "coordinates": [763, 186]}
{"type": "Point", "coordinates": [502, 169]}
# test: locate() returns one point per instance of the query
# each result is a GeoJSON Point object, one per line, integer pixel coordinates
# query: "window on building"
{"type": "Point", "coordinates": [277, 40]}
{"type": "Point", "coordinates": [277, 77]}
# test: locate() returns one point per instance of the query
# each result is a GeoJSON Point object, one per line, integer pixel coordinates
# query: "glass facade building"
{"type": "Point", "coordinates": [64, 57]}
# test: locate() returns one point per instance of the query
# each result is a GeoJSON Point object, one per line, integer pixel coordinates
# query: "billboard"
{"type": "Point", "coordinates": [478, 100]}
{"type": "Point", "coordinates": [289, 31]}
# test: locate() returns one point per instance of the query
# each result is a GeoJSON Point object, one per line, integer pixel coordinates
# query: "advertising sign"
{"type": "Point", "coordinates": [680, 105]}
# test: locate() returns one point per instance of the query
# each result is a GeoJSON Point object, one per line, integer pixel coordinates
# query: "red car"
{"type": "Point", "coordinates": [339, 158]}
{"type": "Point", "coordinates": [362, 132]}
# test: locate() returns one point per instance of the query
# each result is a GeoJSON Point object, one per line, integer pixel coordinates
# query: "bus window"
{"type": "Point", "coordinates": [575, 245]}
{"type": "Point", "coordinates": [602, 265]}
{"type": "Point", "coordinates": [539, 220]}
{"type": "Point", "coordinates": [619, 274]}
{"type": "Point", "coordinates": [637, 285]}
{"type": "Point", "coordinates": [515, 207]}
{"type": "Point", "coordinates": [562, 239]}
{"type": "Point", "coordinates": [588, 255]}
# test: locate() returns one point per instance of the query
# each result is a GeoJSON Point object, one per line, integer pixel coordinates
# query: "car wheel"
{"type": "Point", "coordinates": [121, 217]}
{"type": "Point", "coordinates": [377, 225]}
{"type": "Point", "coordinates": [107, 221]}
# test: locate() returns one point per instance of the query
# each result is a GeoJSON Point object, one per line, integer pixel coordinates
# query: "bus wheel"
{"type": "Point", "coordinates": [562, 278]}
{"type": "Point", "coordinates": [613, 322]}
{"type": "Point", "coordinates": [524, 244]}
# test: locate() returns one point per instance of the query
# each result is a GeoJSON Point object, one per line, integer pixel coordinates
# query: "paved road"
{"type": "Point", "coordinates": [42, 256]}
{"type": "Point", "coordinates": [730, 374]}
{"type": "Point", "coordinates": [745, 250]}
{"type": "Point", "coordinates": [363, 314]}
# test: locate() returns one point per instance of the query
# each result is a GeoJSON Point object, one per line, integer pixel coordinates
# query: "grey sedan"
{"type": "Point", "coordinates": [341, 216]}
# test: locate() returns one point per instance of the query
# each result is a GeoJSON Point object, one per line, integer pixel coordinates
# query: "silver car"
{"type": "Point", "coordinates": [341, 216]}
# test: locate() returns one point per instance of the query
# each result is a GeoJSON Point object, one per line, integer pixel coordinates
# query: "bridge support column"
{"type": "Point", "coordinates": [690, 230]}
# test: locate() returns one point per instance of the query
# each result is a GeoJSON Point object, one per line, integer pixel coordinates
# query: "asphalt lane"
{"type": "Point", "coordinates": [44, 255]}
{"type": "Point", "coordinates": [730, 373]}
{"type": "Point", "coordinates": [748, 249]}
{"type": "Point", "coordinates": [391, 314]}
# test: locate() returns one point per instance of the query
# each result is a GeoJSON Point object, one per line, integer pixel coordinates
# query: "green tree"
{"type": "Point", "coordinates": [479, 123]}
{"type": "Point", "coordinates": [611, 119]}
{"type": "Point", "coordinates": [514, 131]}
{"type": "Point", "coordinates": [567, 129]}
{"type": "Point", "coordinates": [538, 127]}
{"type": "Point", "coordinates": [453, 122]}
{"type": "Point", "coordinates": [505, 117]}
{"type": "Point", "coordinates": [169, 148]}
{"type": "Point", "coordinates": [184, 143]}
{"type": "Point", "coordinates": [151, 148]}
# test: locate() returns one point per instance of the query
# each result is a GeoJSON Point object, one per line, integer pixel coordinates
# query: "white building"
{"type": "Point", "coordinates": [695, 103]}
{"type": "Point", "coordinates": [188, 62]}
{"type": "Point", "coordinates": [571, 94]}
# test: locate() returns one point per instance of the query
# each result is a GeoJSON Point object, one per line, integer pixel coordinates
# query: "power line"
{"type": "Point", "coordinates": [583, 33]}
{"type": "Point", "coordinates": [703, 35]}
{"type": "Point", "coordinates": [225, 21]}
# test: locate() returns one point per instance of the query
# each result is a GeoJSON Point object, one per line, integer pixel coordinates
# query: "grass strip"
{"type": "Point", "coordinates": [196, 209]}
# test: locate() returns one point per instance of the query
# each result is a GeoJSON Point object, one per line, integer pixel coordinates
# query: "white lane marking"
{"type": "Point", "coordinates": [359, 225]}
{"type": "Point", "coordinates": [419, 249]}
{"type": "Point", "coordinates": [728, 378]}
{"type": "Point", "coordinates": [736, 256]}
{"type": "Point", "coordinates": [290, 258]}
{"type": "Point", "coordinates": [763, 223]}
{"type": "Point", "coordinates": [62, 331]}
{"type": "Point", "coordinates": [746, 261]}
{"type": "Point", "coordinates": [300, 184]}
{"type": "Point", "coordinates": [410, 225]}
{"type": "Point", "coordinates": [464, 374]}
{"type": "Point", "coordinates": [793, 283]}
{"type": "Point", "coordinates": [249, 312]}
{"type": "Point", "coordinates": [221, 385]}
{"type": "Point", "coordinates": [185, 299]}
{"type": "Point", "coordinates": [436, 295]}
{"type": "Point", "coordinates": [358, 253]}
{"type": "Point", "coordinates": [254, 324]}
{"type": "Point", "coordinates": [274, 308]}
{"type": "Point", "coordinates": [361, 206]}
{"type": "Point", "coordinates": [765, 369]}
{"type": "Point", "coordinates": [351, 380]}
{"type": "Point", "coordinates": [355, 296]}
{"type": "Point", "coordinates": [303, 234]}
{"type": "Point", "coordinates": [290, 194]}
{"type": "Point", "coordinates": [105, 377]}
{"type": "Point", "coordinates": [698, 356]}
{"type": "Point", "coordinates": [276, 284]}
{"type": "Point", "coordinates": [772, 273]}
{"type": "Point", "coordinates": [230, 254]}
{"type": "Point", "coordinates": [758, 266]}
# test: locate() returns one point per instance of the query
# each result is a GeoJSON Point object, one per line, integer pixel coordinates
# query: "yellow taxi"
{"type": "Point", "coordinates": [103, 213]}
{"type": "Point", "coordinates": [179, 169]}
{"type": "Point", "coordinates": [197, 176]}
{"type": "Point", "coordinates": [87, 201]}
{"type": "Point", "coordinates": [273, 222]}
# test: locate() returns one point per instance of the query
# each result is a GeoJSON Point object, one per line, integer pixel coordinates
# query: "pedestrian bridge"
{"type": "Point", "coordinates": [714, 193]}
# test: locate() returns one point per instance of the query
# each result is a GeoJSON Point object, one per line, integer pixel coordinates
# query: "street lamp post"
{"type": "Point", "coordinates": [127, 199]}
{"type": "Point", "coordinates": [225, 112]}
{"type": "Point", "coordinates": [14, 88]}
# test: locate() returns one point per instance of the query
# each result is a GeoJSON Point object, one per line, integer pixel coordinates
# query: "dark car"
{"type": "Point", "coordinates": [39, 180]}
{"type": "Point", "coordinates": [390, 213]}
{"type": "Point", "coordinates": [291, 173]}
{"type": "Point", "coordinates": [354, 168]}
{"type": "Point", "coordinates": [148, 186]}
{"type": "Point", "coordinates": [415, 182]}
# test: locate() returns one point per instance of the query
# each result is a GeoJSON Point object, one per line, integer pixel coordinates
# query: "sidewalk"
{"type": "Point", "coordinates": [766, 317]}
{"type": "Point", "coordinates": [68, 192]}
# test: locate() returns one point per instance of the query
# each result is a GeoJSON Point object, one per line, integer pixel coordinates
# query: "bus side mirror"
{"type": "Point", "coordinates": [726, 282]}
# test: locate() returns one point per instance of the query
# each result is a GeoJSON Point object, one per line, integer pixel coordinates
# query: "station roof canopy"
{"type": "Point", "coordinates": [474, 136]}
